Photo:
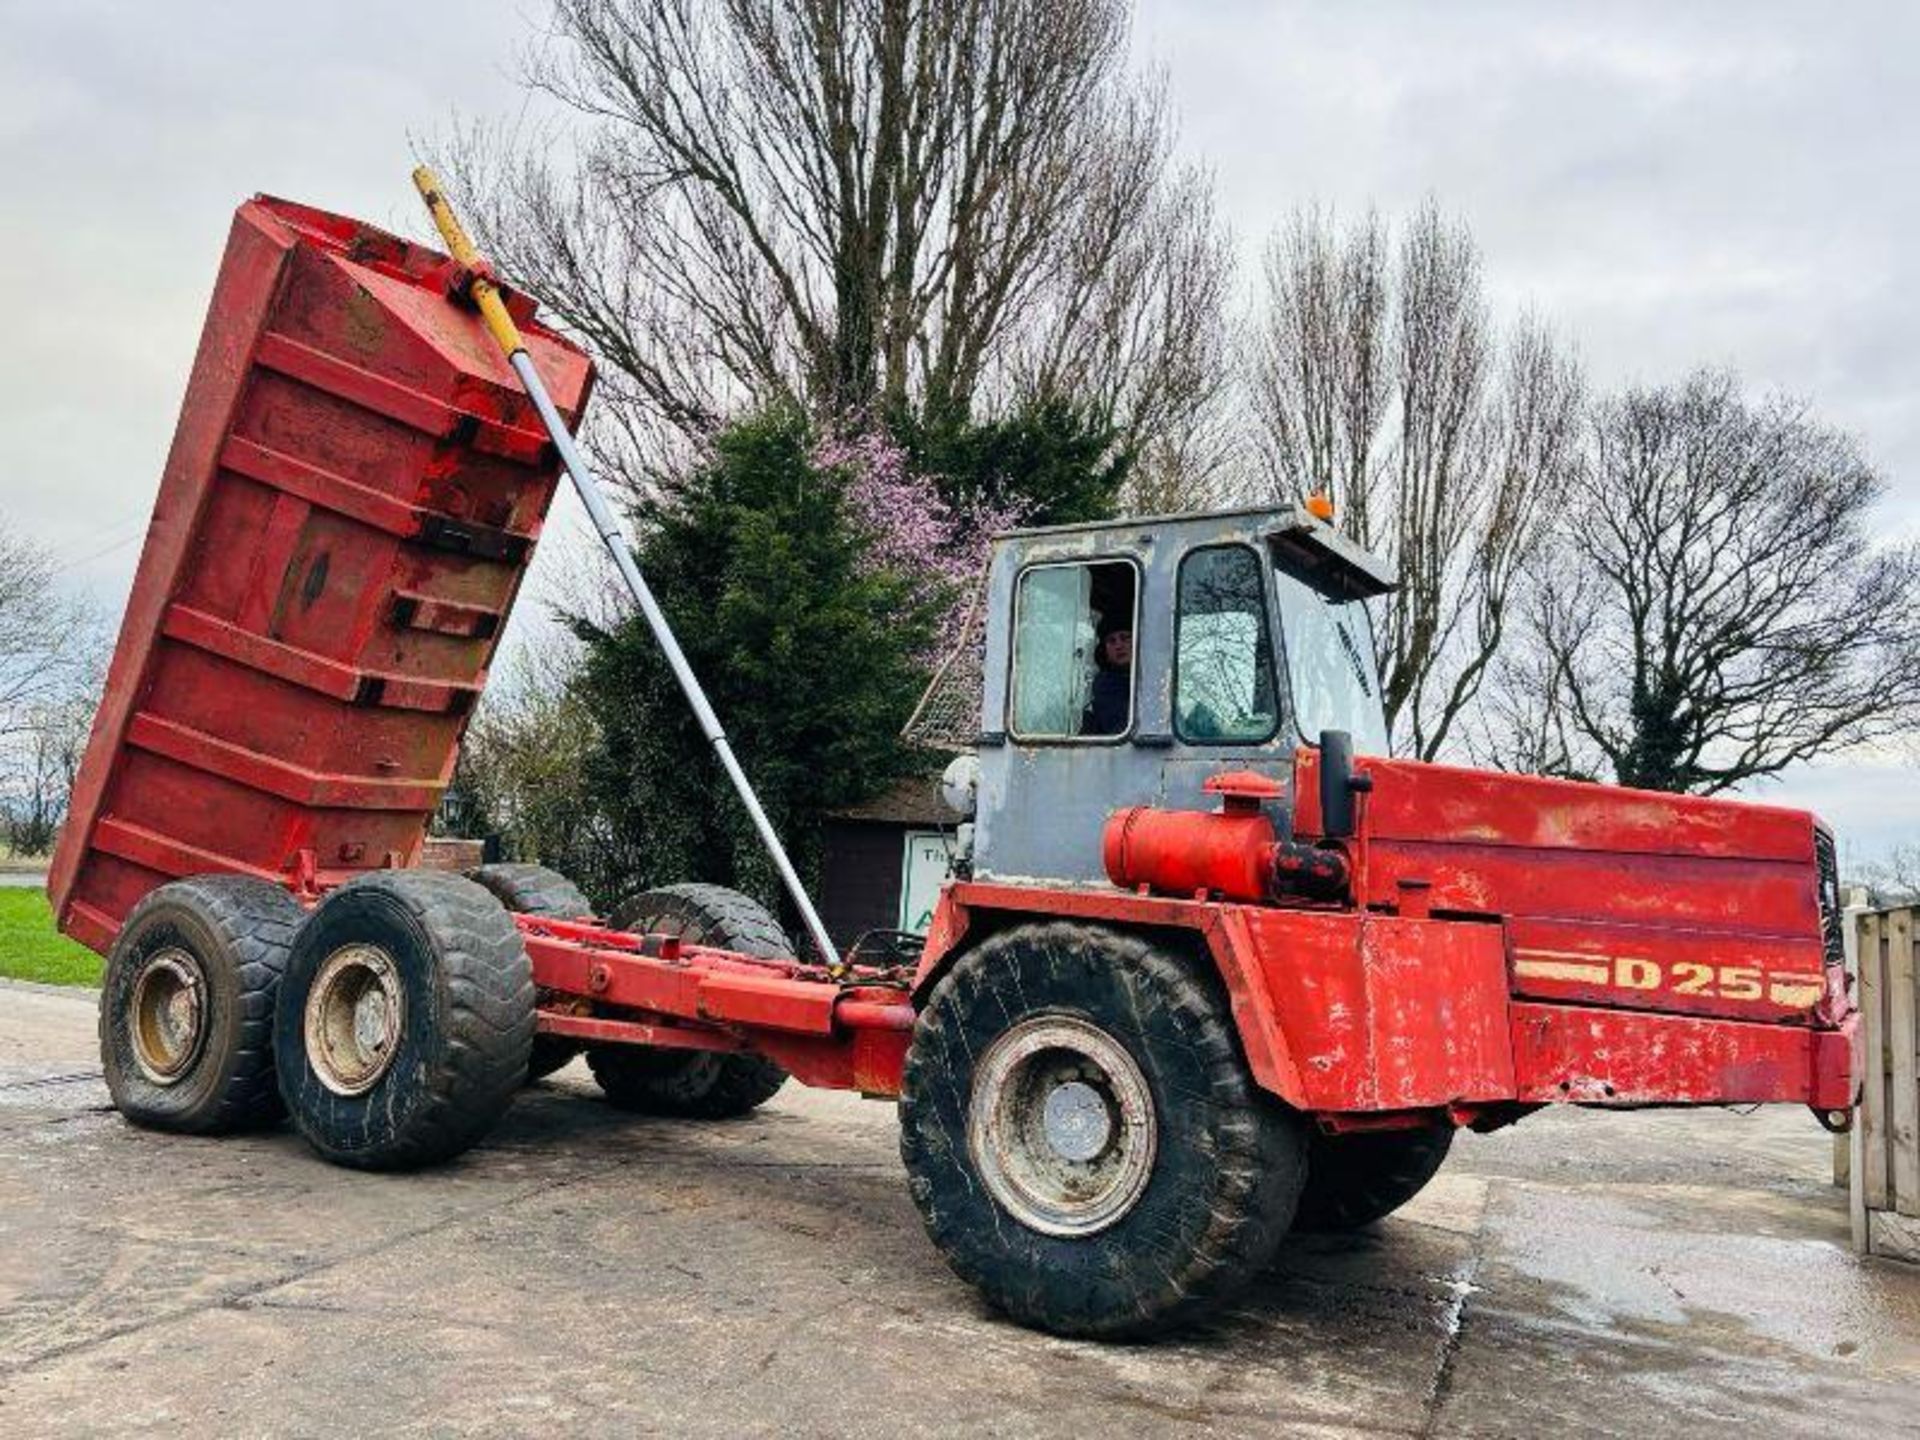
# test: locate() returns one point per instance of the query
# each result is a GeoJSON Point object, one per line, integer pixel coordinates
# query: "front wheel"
{"type": "Point", "coordinates": [1083, 1138]}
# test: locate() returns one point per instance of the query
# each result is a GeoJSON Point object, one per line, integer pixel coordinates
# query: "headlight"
{"type": "Point", "coordinates": [960, 784]}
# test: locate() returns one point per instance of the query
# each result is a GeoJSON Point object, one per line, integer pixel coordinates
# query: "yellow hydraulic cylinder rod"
{"type": "Point", "coordinates": [486, 295]}
{"type": "Point", "coordinates": [493, 310]}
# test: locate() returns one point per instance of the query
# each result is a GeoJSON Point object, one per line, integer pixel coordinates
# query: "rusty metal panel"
{"type": "Point", "coordinates": [1337, 1011]}
{"type": "Point", "coordinates": [1380, 1013]}
{"type": "Point", "coordinates": [1610, 896]}
{"type": "Point", "coordinates": [1351, 1012]}
{"type": "Point", "coordinates": [1623, 1057]}
{"type": "Point", "coordinates": [355, 486]}
{"type": "Point", "coordinates": [1413, 801]}
{"type": "Point", "coordinates": [1436, 1012]}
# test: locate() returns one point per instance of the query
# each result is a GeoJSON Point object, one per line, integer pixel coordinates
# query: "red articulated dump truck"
{"type": "Point", "coordinates": [1211, 970]}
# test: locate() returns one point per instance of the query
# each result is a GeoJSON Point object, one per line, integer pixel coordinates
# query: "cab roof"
{"type": "Point", "coordinates": [1309, 542]}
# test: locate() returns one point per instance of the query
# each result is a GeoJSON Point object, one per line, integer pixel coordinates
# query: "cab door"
{"type": "Point", "coordinates": [1072, 702]}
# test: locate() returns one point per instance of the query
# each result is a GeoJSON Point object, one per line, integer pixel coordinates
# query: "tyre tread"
{"type": "Point", "coordinates": [1260, 1149]}
{"type": "Point", "coordinates": [489, 1020]}
{"type": "Point", "coordinates": [528, 889]}
{"type": "Point", "coordinates": [1354, 1180]}
{"type": "Point", "coordinates": [255, 921]}
{"type": "Point", "coordinates": [698, 1084]}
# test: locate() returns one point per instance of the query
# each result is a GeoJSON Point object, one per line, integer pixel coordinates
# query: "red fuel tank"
{"type": "Point", "coordinates": [1228, 852]}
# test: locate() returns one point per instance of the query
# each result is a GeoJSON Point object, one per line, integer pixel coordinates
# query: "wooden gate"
{"type": "Point", "coordinates": [1885, 1158]}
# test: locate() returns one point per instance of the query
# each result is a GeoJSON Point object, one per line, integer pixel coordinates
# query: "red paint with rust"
{"type": "Point", "coordinates": [1509, 939]}
{"type": "Point", "coordinates": [1607, 896]}
{"type": "Point", "coordinates": [353, 491]}
{"type": "Point", "coordinates": [849, 1035]}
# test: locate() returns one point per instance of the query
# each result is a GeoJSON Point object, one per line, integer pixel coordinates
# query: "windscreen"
{"type": "Point", "coordinates": [1330, 666]}
{"type": "Point", "coordinates": [1223, 689]}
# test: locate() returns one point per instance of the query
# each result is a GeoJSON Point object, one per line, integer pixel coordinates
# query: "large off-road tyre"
{"type": "Point", "coordinates": [536, 890]}
{"type": "Point", "coordinates": [1356, 1179]}
{"type": "Point", "coordinates": [697, 1084]}
{"type": "Point", "coordinates": [404, 1021]}
{"type": "Point", "coordinates": [1083, 1137]}
{"type": "Point", "coordinates": [186, 1006]}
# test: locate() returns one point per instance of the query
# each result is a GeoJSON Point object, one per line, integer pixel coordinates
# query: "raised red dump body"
{"type": "Point", "coordinates": [352, 496]}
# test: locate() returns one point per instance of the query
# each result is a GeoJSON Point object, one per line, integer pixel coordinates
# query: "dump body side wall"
{"type": "Point", "coordinates": [352, 495]}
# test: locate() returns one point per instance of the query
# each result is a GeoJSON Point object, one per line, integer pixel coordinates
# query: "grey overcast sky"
{"type": "Point", "coordinates": [1672, 184]}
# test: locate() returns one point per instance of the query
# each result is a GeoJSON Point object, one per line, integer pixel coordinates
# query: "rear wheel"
{"type": "Point", "coordinates": [1083, 1139]}
{"type": "Point", "coordinates": [186, 1005]}
{"type": "Point", "coordinates": [404, 1019]}
{"type": "Point", "coordinates": [536, 890]}
{"type": "Point", "coordinates": [1353, 1180]}
{"type": "Point", "coordinates": [702, 1084]}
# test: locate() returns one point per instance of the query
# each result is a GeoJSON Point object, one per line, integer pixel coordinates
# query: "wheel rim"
{"type": "Point", "coordinates": [169, 1016]}
{"type": "Point", "coordinates": [356, 1011]}
{"type": "Point", "coordinates": [1061, 1126]}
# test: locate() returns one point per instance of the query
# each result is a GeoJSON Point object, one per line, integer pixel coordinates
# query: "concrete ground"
{"type": "Point", "coordinates": [588, 1272]}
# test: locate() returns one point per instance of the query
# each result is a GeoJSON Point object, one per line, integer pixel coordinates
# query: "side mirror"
{"type": "Point", "coordinates": [1338, 784]}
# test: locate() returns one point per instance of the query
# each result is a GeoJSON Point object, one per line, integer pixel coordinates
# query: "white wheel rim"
{"type": "Point", "coordinates": [169, 1015]}
{"type": "Point", "coordinates": [355, 1016]}
{"type": "Point", "coordinates": [1061, 1126]}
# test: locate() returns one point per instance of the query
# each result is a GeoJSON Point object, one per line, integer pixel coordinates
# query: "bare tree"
{"type": "Point", "coordinates": [52, 661]}
{"type": "Point", "coordinates": [41, 628]}
{"type": "Point", "coordinates": [1132, 326]}
{"type": "Point", "coordinates": [1377, 375]}
{"type": "Point", "coordinates": [522, 776]}
{"type": "Point", "coordinates": [38, 767]}
{"type": "Point", "coordinates": [862, 204]}
{"type": "Point", "coordinates": [1320, 367]}
{"type": "Point", "coordinates": [1896, 876]}
{"type": "Point", "coordinates": [1716, 607]}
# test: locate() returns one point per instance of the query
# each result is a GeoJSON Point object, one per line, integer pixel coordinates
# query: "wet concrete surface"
{"type": "Point", "coordinates": [589, 1272]}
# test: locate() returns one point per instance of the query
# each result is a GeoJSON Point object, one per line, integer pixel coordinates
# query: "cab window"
{"type": "Point", "coordinates": [1330, 665]}
{"type": "Point", "coordinates": [1223, 690]}
{"type": "Point", "coordinates": [1073, 651]}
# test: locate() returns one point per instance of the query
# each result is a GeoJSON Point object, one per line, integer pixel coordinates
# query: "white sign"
{"type": "Point", "coordinates": [923, 870]}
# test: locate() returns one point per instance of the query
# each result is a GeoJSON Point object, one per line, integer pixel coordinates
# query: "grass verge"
{"type": "Point", "coordinates": [31, 949]}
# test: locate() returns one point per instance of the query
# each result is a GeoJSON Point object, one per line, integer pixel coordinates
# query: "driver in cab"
{"type": "Point", "coordinates": [1109, 700]}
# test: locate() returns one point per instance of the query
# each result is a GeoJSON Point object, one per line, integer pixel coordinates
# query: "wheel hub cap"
{"type": "Point", "coordinates": [169, 1016]}
{"type": "Point", "coordinates": [1076, 1122]}
{"type": "Point", "coordinates": [354, 1018]}
{"type": "Point", "coordinates": [1061, 1126]}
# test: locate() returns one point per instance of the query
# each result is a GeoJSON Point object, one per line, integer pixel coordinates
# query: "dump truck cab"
{"type": "Point", "coordinates": [1216, 942]}
{"type": "Point", "coordinates": [1250, 636]}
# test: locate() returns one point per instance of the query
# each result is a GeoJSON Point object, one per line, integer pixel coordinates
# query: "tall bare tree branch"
{"type": "Point", "coordinates": [1717, 607]}
{"type": "Point", "coordinates": [1376, 375]}
{"type": "Point", "coordinates": [864, 205]}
